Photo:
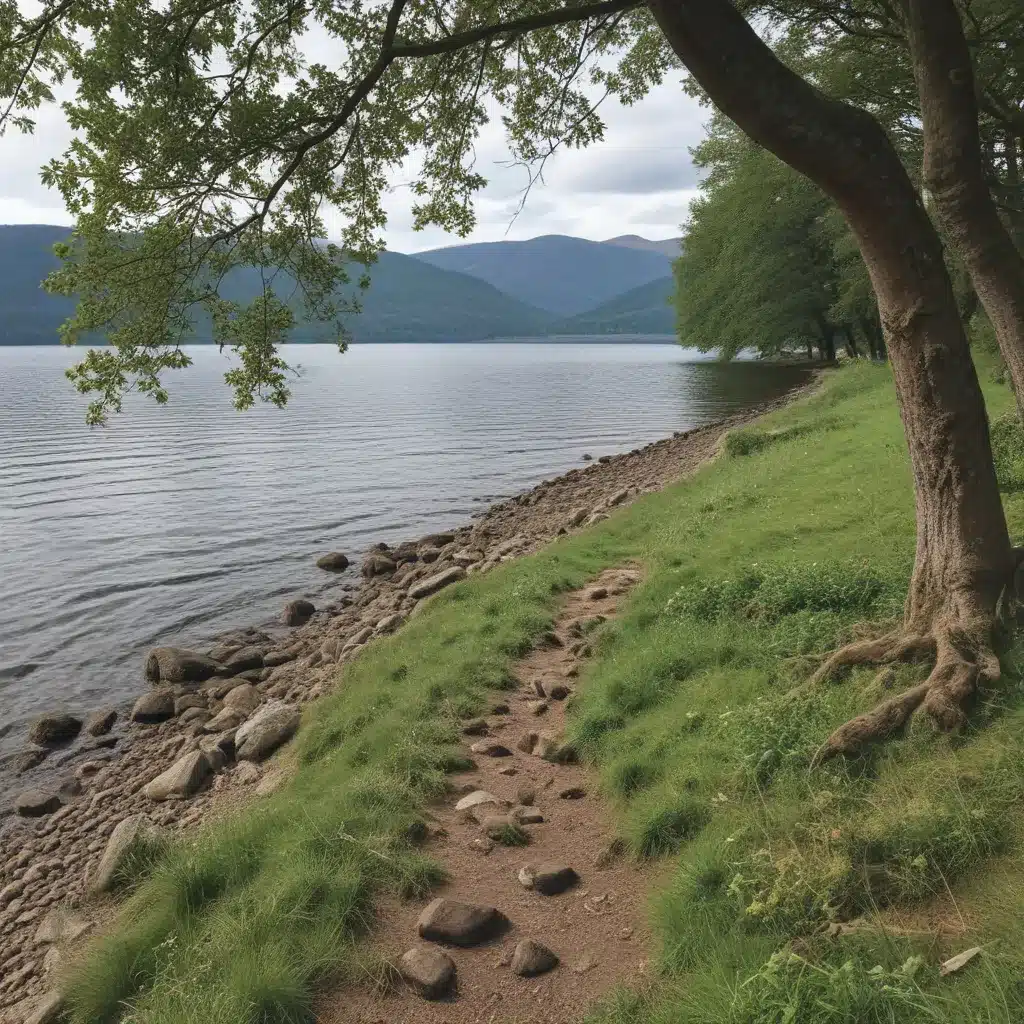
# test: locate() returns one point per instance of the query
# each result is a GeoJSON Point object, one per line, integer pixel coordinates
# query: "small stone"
{"type": "Point", "coordinates": [528, 816]}
{"type": "Point", "coordinates": [36, 803]}
{"type": "Point", "coordinates": [587, 457]}
{"type": "Point", "coordinates": [526, 795]}
{"type": "Point", "coordinates": [182, 779]}
{"type": "Point", "coordinates": [572, 793]}
{"type": "Point", "coordinates": [297, 613]}
{"type": "Point", "coordinates": [559, 692]}
{"type": "Point", "coordinates": [552, 879]}
{"type": "Point", "coordinates": [500, 708]}
{"type": "Point", "coordinates": [538, 688]}
{"type": "Point", "coordinates": [597, 594]}
{"type": "Point", "coordinates": [61, 925]}
{"type": "Point", "coordinates": [476, 727]}
{"type": "Point", "coordinates": [378, 565]}
{"type": "Point", "coordinates": [532, 958]}
{"type": "Point", "coordinates": [489, 748]}
{"type": "Point", "coordinates": [335, 561]}
{"type": "Point", "coordinates": [525, 876]}
{"type": "Point", "coordinates": [54, 729]}
{"type": "Point", "coordinates": [587, 963]}
{"type": "Point", "coordinates": [429, 972]}
{"type": "Point", "coordinates": [154, 707]}
{"type": "Point", "coordinates": [626, 934]}
{"type": "Point", "coordinates": [483, 846]}
{"type": "Point", "coordinates": [99, 723]}
{"type": "Point", "coordinates": [609, 853]}
{"type": "Point", "coordinates": [509, 769]}
{"type": "Point", "coordinates": [578, 516]}
{"type": "Point", "coordinates": [479, 797]}
{"type": "Point", "coordinates": [537, 707]}
{"type": "Point", "coordinates": [527, 742]}
{"type": "Point", "coordinates": [461, 924]}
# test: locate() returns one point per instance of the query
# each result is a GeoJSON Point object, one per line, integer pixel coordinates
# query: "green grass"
{"type": "Point", "coordinates": [771, 555]}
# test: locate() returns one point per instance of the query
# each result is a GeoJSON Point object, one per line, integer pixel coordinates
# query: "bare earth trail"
{"type": "Point", "coordinates": [597, 927]}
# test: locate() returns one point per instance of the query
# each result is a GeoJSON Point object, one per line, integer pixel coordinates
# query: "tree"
{"type": "Point", "coordinates": [204, 142]}
{"type": "Point", "coordinates": [756, 270]}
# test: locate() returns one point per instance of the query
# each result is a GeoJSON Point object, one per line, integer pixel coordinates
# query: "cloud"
{"type": "Point", "coordinates": [639, 179]}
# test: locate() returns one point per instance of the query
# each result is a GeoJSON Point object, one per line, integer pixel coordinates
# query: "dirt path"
{"type": "Point", "coordinates": [597, 927]}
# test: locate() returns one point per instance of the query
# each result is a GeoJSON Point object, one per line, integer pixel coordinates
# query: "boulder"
{"type": "Point", "coordinates": [28, 759]}
{"type": "Point", "coordinates": [532, 958]}
{"type": "Point", "coordinates": [48, 1010]}
{"type": "Point", "coordinates": [35, 803]}
{"type": "Point", "coordinates": [62, 925]}
{"type": "Point", "coordinates": [335, 561]}
{"type": "Point", "coordinates": [390, 623]}
{"type": "Point", "coordinates": [227, 718]}
{"type": "Point", "coordinates": [298, 612]}
{"type": "Point", "coordinates": [182, 779]}
{"type": "Point", "coordinates": [460, 924]}
{"type": "Point", "coordinates": [128, 834]}
{"type": "Point", "coordinates": [243, 661]}
{"type": "Point", "coordinates": [552, 879]}
{"type": "Point", "coordinates": [155, 706]}
{"type": "Point", "coordinates": [378, 565]}
{"type": "Point", "coordinates": [262, 734]}
{"type": "Point", "coordinates": [559, 692]}
{"type": "Point", "coordinates": [244, 698]}
{"type": "Point", "coordinates": [99, 723]}
{"type": "Point", "coordinates": [175, 665]}
{"type": "Point", "coordinates": [578, 516]}
{"type": "Point", "coordinates": [432, 584]}
{"type": "Point", "coordinates": [476, 727]}
{"type": "Point", "coordinates": [275, 658]}
{"type": "Point", "coordinates": [199, 716]}
{"type": "Point", "coordinates": [189, 702]}
{"type": "Point", "coordinates": [54, 729]}
{"type": "Point", "coordinates": [429, 555]}
{"type": "Point", "coordinates": [478, 798]}
{"type": "Point", "coordinates": [437, 540]}
{"type": "Point", "coordinates": [429, 972]}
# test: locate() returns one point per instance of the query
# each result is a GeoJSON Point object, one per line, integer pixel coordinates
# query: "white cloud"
{"type": "Point", "coordinates": [638, 180]}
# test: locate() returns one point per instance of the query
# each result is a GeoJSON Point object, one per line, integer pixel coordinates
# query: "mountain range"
{"type": "Point", "coordinates": [544, 287]}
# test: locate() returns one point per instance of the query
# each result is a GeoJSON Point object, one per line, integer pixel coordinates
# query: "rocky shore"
{"type": "Point", "coordinates": [92, 788]}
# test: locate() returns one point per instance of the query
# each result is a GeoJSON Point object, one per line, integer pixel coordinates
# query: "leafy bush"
{"type": "Point", "coordinates": [1008, 451]}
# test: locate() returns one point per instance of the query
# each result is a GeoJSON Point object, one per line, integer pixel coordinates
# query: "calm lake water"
{"type": "Point", "coordinates": [177, 522]}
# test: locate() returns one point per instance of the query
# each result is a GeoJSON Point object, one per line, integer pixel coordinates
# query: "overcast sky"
{"type": "Point", "coordinates": [639, 180]}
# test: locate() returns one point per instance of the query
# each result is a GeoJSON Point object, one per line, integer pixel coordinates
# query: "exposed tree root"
{"type": "Point", "coordinates": [963, 662]}
{"type": "Point", "coordinates": [894, 646]}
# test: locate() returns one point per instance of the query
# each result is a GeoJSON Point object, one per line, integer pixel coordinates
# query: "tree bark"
{"type": "Point", "coordinates": [963, 558]}
{"type": "Point", "coordinates": [954, 175]}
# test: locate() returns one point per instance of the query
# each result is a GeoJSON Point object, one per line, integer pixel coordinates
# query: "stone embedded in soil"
{"type": "Point", "coordinates": [62, 925]}
{"type": "Point", "coordinates": [483, 846]}
{"type": "Point", "coordinates": [609, 853]}
{"type": "Point", "coordinates": [495, 825]}
{"type": "Point", "coordinates": [527, 816]}
{"type": "Point", "coordinates": [54, 729]}
{"type": "Point", "coordinates": [537, 707]}
{"type": "Point", "coordinates": [477, 798]}
{"type": "Point", "coordinates": [334, 561]}
{"type": "Point", "coordinates": [527, 742]}
{"type": "Point", "coordinates": [99, 723]}
{"type": "Point", "coordinates": [183, 779]}
{"type": "Point", "coordinates": [559, 692]}
{"type": "Point", "coordinates": [597, 594]}
{"type": "Point", "coordinates": [429, 972]}
{"type": "Point", "coordinates": [267, 730]}
{"type": "Point", "coordinates": [553, 879]}
{"type": "Point", "coordinates": [587, 963]}
{"type": "Point", "coordinates": [297, 613]}
{"type": "Point", "coordinates": [389, 624]}
{"type": "Point", "coordinates": [476, 727]}
{"type": "Point", "coordinates": [460, 924]}
{"type": "Point", "coordinates": [127, 834]}
{"type": "Point", "coordinates": [29, 759]}
{"type": "Point", "coordinates": [48, 1009]}
{"type": "Point", "coordinates": [532, 958]}
{"type": "Point", "coordinates": [538, 688]}
{"type": "Point", "coordinates": [490, 748]}
{"type": "Point", "coordinates": [433, 584]}
{"type": "Point", "coordinates": [176, 665]}
{"type": "Point", "coordinates": [154, 707]}
{"type": "Point", "coordinates": [500, 709]}
{"type": "Point", "coordinates": [578, 515]}
{"type": "Point", "coordinates": [35, 803]}
{"type": "Point", "coordinates": [572, 793]}
{"type": "Point", "coordinates": [526, 795]}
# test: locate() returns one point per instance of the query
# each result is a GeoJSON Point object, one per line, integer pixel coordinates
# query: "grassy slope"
{"type": "Point", "coordinates": [770, 553]}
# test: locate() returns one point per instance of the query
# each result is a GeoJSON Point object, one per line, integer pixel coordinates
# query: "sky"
{"type": "Point", "coordinates": [638, 180]}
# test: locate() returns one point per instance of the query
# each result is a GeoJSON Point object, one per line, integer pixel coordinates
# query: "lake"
{"type": "Point", "coordinates": [177, 522]}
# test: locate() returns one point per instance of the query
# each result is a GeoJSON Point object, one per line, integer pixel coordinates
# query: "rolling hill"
{"type": "Point", "coordinates": [669, 247]}
{"type": "Point", "coordinates": [643, 310]}
{"type": "Point", "coordinates": [556, 273]}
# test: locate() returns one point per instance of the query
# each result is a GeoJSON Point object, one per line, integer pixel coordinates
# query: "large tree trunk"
{"type": "Point", "coordinates": [954, 174]}
{"type": "Point", "coordinates": [964, 558]}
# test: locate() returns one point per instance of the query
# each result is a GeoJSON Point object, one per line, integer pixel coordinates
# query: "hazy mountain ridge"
{"type": "Point", "coordinates": [410, 299]}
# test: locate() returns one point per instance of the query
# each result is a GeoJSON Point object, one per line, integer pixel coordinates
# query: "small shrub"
{"type": "Point", "coordinates": [665, 830]}
{"type": "Point", "coordinates": [1007, 436]}
{"type": "Point", "coordinates": [512, 835]}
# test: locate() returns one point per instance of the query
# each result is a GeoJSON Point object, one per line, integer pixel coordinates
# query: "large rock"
{"type": "Point", "coordinates": [460, 924]}
{"type": "Point", "coordinates": [532, 958]}
{"type": "Point", "coordinates": [128, 834]}
{"type": "Point", "coordinates": [35, 803]}
{"type": "Point", "coordinates": [242, 661]}
{"type": "Point", "coordinates": [154, 707]}
{"type": "Point", "coordinates": [437, 540]}
{"type": "Point", "coordinates": [266, 731]}
{"type": "Point", "coordinates": [182, 779]}
{"type": "Point", "coordinates": [378, 565]}
{"type": "Point", "coordinates": [429, 972]}
{"type": "Point", "coordinates": [54, 729]}
{"type": "Point", "coordinates": [244, 698]}
{"type": "Point", "coordinates": [48, 1010]}
{"type": "Point", "coordinates": [226, 718]}
{"type": "Point", "coordinates": [62, 925]}
{"type": "Point", "coordinates": [478, 798]}
{"type": "Point", "coordinates": [297, 613]}
{"type": "Point", "coordinates": [433, 584]}
{"type": "Point", "coordinates": [99, 723]}
{"type": "Point", "coordinates": [175, 665]}
{"type": "Point", "coordinates": [552, 879]}
{"type": "Point", "coordinates": [333, 562]}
